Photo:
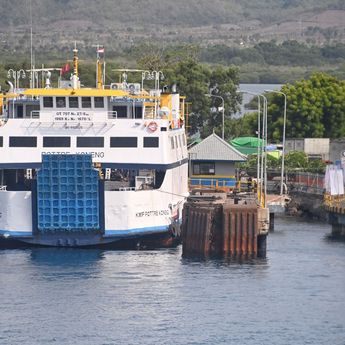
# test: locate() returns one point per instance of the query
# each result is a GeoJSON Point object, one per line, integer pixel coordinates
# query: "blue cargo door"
{"type": "Point", "coordinates": [68, 197]}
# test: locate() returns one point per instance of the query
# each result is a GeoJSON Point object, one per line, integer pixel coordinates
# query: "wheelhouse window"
{"type": "Point", "coordinates": [60, 102]}
{"type": "Point", "coordinates": [123, 142]}
{"type": "Point", "coordinates": [1, 141]}
{"type": "Point", "coordinates": [151, 142]}
{"type": "Point", "coordinates": [56, 141]}
{"type": "Point", "coordinates": [73, 102]}
{"type": "Point", "coordinates": [204, 168]}
{"type": "Point", "coordinates": [99, 102]}
{"type": "Point", "coordinates": [172, 141]}
{"type": "Point", "coordinates": [90, 142]}
{"type": "Point", "coordinates": [86, 102]}
{"type": "Point", "coordinates": [48, 102]}
{"type": "Point", "coordinates": [121, 111]}
{"type": "Point", "coordinates": [23, 141]}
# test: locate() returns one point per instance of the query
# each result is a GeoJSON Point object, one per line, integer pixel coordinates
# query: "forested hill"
{"type": "Point", "coordinates": [161, 12]}
{"type": "Point", "coordinates": [58, 22]}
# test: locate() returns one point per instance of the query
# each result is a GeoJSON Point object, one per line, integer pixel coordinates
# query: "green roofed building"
{"type": "Point", "coordinates": [247, 145]}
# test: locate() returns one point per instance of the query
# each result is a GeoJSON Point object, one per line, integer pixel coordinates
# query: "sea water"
{"type": "Point", "coordinates": [69, 296]}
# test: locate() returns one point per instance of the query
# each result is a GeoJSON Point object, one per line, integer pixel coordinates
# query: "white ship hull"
{"type": "Point", "coordinates": [136, 216]}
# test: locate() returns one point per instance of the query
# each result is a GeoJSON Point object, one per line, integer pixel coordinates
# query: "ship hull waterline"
{"type": "Point", "coordinates": [154, 240]}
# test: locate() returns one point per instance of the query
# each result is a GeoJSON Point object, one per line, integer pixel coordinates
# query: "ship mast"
{"type": "Point", "coordinates": [75, 78]}
{"type": "Point", "coordinates": [100, 72]}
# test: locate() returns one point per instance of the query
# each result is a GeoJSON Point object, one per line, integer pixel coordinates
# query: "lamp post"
{"type": "Point", "coordinates": [223, 104]}
{"type": "Point", "coordinates": [263, 171]}
{"type": "Point", "coordinates": [259, 128]}
{"type": "Point", "coordinates": [284, 130]}
{"type": "Point", "coordinates": [16, 75]}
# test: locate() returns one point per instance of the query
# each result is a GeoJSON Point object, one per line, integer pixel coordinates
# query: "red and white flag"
{"type": "Point", "coordinates": [65, 68]}
{"type": "Point", "coordinates": [100, 50]}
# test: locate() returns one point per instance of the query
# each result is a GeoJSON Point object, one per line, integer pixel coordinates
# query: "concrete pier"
{"type": "Point", "coordinates": [335, 208]}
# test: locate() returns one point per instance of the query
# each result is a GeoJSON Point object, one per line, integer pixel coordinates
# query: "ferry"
{"type": "Point", "coordinates": [102, 166]}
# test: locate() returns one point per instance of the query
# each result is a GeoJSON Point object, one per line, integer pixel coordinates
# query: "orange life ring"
{"type": "Point", "coordinates": [152, 126]}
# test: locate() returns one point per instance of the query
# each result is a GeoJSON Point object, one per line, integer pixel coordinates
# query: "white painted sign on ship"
{"type": "Point", "coordinates": [73, 116]}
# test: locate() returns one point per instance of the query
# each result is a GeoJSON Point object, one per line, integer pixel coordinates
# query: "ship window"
{"type": "Point", "coordinates": [86, 102]}
{"type": "Point", "coordinates": [32, 111]}
{"type": "Point", "coordinates": [60, 102]}
{"type": "Point", "coordinates": [121, 111]}
{"type": "Point", "coordinates": [151, 142]}
{"type": "Point", "coordinates": [1, 141]}
{"type": "Point", "coordinates": [23, 141]}
{"type": "Point", "coordinates": [48, 102]}
{"type": "Point", "coordinates": [172, 142]}
{"type": "Point", "coordinates": [73, 102]}
{"type": "Point", "coordinates": [20, 111]}
{"type": "Point", "coordinates": [205, 168]}
{"type": "Point", "coordinates": [123, 142]}
{"type": "Point", "coordinates": [99, 102]}
{"type": "Point", "coordinates": [176, 143]}
{"type": "Point", "coordinates": [138, 112]}
{"type": "Point", "coordinates": [179, 140]}
{"type": "Point", "coordinates": [90, 142]}
{"type": "Point", "coordinates": [56, 141]}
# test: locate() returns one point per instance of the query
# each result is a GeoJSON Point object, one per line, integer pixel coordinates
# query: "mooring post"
{"type": "Point", "coordinates": [271, 228]}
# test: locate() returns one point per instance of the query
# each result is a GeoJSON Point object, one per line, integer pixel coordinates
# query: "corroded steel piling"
{"type": "Point", "coordinates": [221, 227]}
{"type": "Point", "coordinates": [240, 230]}
{"type": "Point", "coordinates": [201, 224]}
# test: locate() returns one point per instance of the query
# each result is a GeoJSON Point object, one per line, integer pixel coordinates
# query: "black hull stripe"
{"type": "Point", "coordinates": [31, 165]}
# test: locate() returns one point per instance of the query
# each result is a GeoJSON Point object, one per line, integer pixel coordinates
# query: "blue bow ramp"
{"type": "Point", "coordinates": [67, 194]}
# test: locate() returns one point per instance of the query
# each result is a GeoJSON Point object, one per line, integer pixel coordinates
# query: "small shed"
{"type": "Point", "coordinates": [212, 163]}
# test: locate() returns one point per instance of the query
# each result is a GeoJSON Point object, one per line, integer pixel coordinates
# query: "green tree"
{"type": "Point", "coordinates": [315, 108]}
{"type": "Point", "coordinates": [223, 83]}
{"type": "Point", "coordinates": [195, 80]}
{"type": "Point", "coordinates": [245, 126]}
{"type": "Point", "coordinates": [296, 160]}
{"type": "Point", "coordinates": [192, 79]}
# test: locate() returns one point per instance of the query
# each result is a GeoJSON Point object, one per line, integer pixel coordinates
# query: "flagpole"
{"type": "Point", "coordinates": [103, 68]}
{"type": "Point", "coordinates": [97, 63]}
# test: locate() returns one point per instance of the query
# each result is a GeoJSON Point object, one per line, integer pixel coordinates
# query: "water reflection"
{"type": "Point", "coordinates": [66, 257]}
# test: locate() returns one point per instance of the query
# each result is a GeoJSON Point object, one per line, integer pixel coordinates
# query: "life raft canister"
{"type": "Point", "coordinates": [152, 126]}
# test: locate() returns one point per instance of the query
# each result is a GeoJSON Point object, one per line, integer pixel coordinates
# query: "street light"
{"type": "Point", "coordinates": [259, 129]}
{"type": "Point", "coordinates": [216, 96]}
{"type": "Point", "coordinates": [284, 130]}
{"type": "Point", "coordinates": [263, 170]}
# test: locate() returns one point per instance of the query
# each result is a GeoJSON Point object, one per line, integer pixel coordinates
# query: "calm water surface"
{"type": "Point", "coordinates": [60, 296]}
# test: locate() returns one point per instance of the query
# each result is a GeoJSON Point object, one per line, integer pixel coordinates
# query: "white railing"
{"type": "Point", "coordinates": [126, 189]}
{"type": "Point", "coordinates": [3, 188]}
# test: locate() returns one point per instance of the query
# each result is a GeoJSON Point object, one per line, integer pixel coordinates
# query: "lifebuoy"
{"type": "Point", "coordinates": [152, 126]}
